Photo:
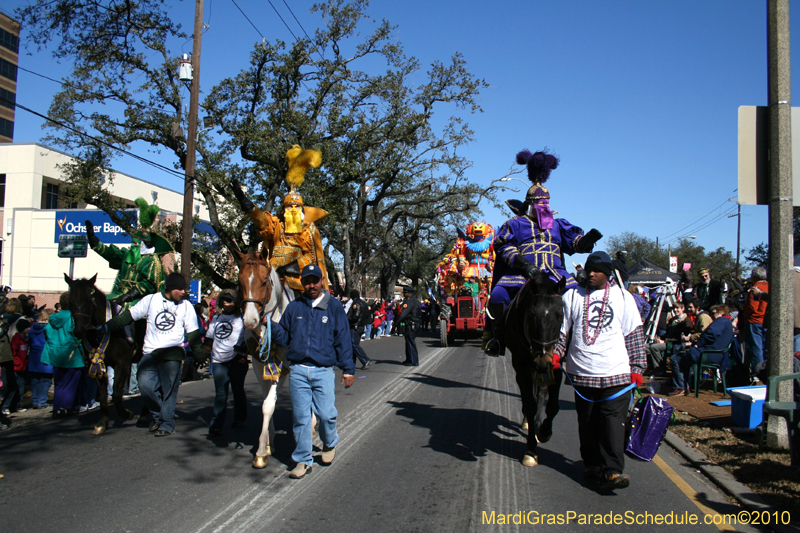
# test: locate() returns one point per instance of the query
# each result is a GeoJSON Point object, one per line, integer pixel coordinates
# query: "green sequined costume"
{"type": "Point", "coordinates": [144, 273]}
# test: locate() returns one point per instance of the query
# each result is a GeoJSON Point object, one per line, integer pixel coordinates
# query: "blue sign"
{"type": "Point", "coordinates": [194, 291]}
{"type": "Point", "coordinates": [73, 222]}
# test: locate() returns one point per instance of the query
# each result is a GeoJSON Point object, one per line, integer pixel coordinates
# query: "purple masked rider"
{"type": "Point", "coordinates": [531, 241]}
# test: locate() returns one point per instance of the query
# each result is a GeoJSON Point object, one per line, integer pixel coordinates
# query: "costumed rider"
{"type": "Point", "coordinates": [292, 239]}
{"type": "Point", "coordinates": [141, 271]}
{"type": "Point", "coordinates": [531, 241]}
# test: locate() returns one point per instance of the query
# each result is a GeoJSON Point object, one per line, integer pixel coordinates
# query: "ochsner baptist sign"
{"type": "Point", "coordinates": [73, 222]}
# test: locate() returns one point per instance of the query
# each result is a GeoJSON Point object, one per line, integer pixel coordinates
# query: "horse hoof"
{"type": "Point", "coordinates": [260, 461]}
{"type": "Point", "coordinates": [525, 424]}
{"type": "Point", "coordinates": [98, 430]}
{"type": "Point", "coordinates": [530, 460]}
{"type": "Point", "coordinates": [127, 415]}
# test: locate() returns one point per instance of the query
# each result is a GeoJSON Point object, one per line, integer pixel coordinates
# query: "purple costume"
{"type": "Point", "coordinates": [545, 249]}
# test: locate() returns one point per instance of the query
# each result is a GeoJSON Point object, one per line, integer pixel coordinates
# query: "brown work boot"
{"type": "Point", "coordinates": [616, 481]}
{"type": "Point", "coordinates": [327, 455]}
{"type": "Point", "coordinates": [299, 471]}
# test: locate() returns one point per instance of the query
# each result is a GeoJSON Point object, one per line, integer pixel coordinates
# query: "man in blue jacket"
{"type": "Point", "coordinates": [316, 330]}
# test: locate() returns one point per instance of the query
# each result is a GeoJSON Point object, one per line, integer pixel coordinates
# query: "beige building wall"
{"type": "Point", "coordinates": [30, 262]}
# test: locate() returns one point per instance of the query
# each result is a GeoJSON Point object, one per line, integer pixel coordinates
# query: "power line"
{"type": "Point", "coordinates": [248, 18]}
{"type": "Point", "coordinates": [100, 141]}
{"type": "Point", "coordinates": [685, 228]}
{"type": "Point", "coordinates": [295, 19]}
{"type": "Point", "coordinates": [284, 22]}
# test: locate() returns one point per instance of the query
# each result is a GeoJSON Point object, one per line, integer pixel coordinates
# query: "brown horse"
{"type": "Point", "coordinates": [533, 323]}
{"type": "Point", "coordinates": [263, 297]}
{"type": "Point", "coordinates": [88, 306]}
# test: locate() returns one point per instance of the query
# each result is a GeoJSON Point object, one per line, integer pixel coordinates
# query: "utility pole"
{"type": "Point", "coordinates": [781, 306]}
{"type": "Point", "coordinates": [191, 140]}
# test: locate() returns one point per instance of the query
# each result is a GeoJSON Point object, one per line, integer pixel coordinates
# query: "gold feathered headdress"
{"type": "Point", "coordinates": [299, 162]}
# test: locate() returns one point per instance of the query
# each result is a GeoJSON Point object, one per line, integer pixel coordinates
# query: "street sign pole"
{"type": "Point", "coordinates": [71, 267]}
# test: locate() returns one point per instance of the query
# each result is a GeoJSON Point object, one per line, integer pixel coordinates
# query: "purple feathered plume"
{"type": "Point", "coordinates": [539, 164]}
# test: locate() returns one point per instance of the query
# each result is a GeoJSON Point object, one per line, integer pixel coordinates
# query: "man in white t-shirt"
{"type": "Point", "coordinates": [225, 341]}
{"type": "Point", "coordinates": [169, 319]}
{"type": "Point", "coordinates": [606, 354]}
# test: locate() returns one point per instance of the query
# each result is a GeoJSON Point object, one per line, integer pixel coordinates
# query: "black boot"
{"type": "Point", "coordinates": [496, 346]}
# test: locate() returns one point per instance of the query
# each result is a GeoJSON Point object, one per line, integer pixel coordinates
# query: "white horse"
{"type": "Point", "coordinates": [264, 298]}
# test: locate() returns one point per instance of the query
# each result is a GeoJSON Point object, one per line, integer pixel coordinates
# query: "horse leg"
{"type": "Point", "coordinates": [529, 408]}
{"type": "Point", "coordinates": [122, 372]}
{"type": "Point", "coordinates": [102, 424]}
{"type": "Point", "coordinates": [551, 409]}
{"type": "Point", "coordinates": [269, 391]}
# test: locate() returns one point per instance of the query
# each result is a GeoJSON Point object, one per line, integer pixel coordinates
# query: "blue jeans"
{"type": "Point", "coordinates": [40, 384]}
{"type": "Point", "coordinates": [159, 381]}
{"type": "Point", "coordinates": [387, 328]}
{"type": "Point", "coordinates": [133, 383]}
{"type": "Point", "coordinates": [358, 351]}
{"type": "Point", "coordinates": [367, 331]}
{"type": "Point", "coordinates": [681, 364]}
{"type": "Point", "coordinates": [231, 373]}
{"type": "Point", "coordinates": [754, 344]}
{"type": "Point", "coordinates": [313, 389]}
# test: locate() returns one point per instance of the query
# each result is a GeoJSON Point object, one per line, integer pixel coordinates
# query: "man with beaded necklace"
{"type": "Point", "coordinates": [603, 344]}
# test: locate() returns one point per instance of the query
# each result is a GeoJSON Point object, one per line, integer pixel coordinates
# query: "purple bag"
{"type": "Point", "coordinates": [648, 425]}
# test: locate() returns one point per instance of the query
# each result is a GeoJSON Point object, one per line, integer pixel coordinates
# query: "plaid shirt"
{"type": "Point", "coordinates": [634, 344]}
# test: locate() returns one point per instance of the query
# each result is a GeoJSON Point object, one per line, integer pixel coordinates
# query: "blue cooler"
{"type": "Point", "coordinates": [747, 405]}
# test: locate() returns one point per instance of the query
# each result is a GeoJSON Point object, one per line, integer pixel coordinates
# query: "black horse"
{"type": "Point", "coordinates": [87, 304]}
{"type": "Point", "coordinates": [532, 326]}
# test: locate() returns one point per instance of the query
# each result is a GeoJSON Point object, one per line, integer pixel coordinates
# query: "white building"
{"type": "Point", "coordinates": [30, 181]}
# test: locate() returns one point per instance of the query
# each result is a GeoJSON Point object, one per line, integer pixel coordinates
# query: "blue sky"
{"type": "Point", "coordinates": [639, 99]}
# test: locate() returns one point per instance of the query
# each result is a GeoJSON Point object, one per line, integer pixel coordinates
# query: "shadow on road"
{"type": "Point", "coordinates": [465, 434]}
{"type": "Point", "coordinates": [450, 384]}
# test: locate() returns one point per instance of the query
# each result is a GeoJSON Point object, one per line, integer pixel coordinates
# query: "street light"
{"type": "Point", "coordinates": [509, 178]}
{"type": "Point", "coordinates": [669, 246]}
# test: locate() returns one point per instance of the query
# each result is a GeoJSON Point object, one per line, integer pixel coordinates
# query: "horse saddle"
{"type": "Point", "coordinates": [292, 269]}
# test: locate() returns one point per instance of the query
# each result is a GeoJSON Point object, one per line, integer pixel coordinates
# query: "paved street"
{"type": "Point", "coordinates": [431, 448]}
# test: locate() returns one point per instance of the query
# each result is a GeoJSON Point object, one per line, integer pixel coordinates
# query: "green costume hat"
{"type": "Point", "coordinates": [147, 216]}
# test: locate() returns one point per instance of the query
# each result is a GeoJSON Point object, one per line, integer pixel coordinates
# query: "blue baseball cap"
{"type": "Point", "coordinates": [311, 270]}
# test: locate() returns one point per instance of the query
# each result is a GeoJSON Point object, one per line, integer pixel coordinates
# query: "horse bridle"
{"type": "Point", "coordinates": [262, 303]}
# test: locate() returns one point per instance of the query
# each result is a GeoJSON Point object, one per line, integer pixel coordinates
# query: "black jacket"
{"type": "Point", "coordinates": [359, 314]}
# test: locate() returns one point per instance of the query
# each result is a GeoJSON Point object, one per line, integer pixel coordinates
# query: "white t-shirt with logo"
{"type": "Point", "coordinates": [227, 332]}
{"type": "Point", "coordinates": [167, 321]}
{"type": "Point", "coordinates": [608, 356]}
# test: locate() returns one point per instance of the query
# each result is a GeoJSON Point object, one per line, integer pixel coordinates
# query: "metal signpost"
{"type": "Point", "coordinates": [72, 246]}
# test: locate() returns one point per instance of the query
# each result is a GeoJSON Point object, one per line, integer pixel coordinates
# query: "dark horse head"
{"type": "Point", "coordinates": [534, 321]}
{"type": "Point", "coordinates": [87, 304]}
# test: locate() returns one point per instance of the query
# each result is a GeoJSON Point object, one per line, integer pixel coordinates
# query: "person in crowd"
{"type": "Point", "coordinates": [19, 351]}
{"type": "Point", "coordinates": [605, 355]}
{"type": "Point", "coordinates": [619, 264]}
{"type": "Point", "coordinates": [8, 328]}
{"type": "Point", "coordinates": [65, 354]}
{"type": "Point", "coordinates": [378, 320]}
{"type": "Point", "coordinates": [387, 330]}
{"type": "Point", "coordinates": [680, 324]}
{"type": "Point", "coordinates": [685, 291]}
{"type": "Point", "coordinates": [410, 317]}
{"type": "Point", "coordinates": [368, 326]}
{"type": "Point", "coordinates": [41, 375]}
{"type": "Point", "coordinates": [434, 314]}
{"type": "Point", "coordinates": [717, 336]}
{"type": "Point", "coordinates": [641, 302]}
{"type": "Point", "coordinates": [170, 318]}
{"type": "Point", "coordinates": [357, 317]}
{"type": "Point", "coordinates": [532, 240]}
{"type": "Point", "coordinates": [752, 323]}
{"type": "Point", "coordinates": [708, 291]}
{"type": "Point", "coordinates": [225, 343]}
{"type": "Point", "coordinates": [315, 329]}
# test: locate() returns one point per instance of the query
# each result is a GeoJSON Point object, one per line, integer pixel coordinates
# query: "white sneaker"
{"type": "Point", "coordinates": [83, 409]}
{"type": "Point", "coordinates": [94, 405]}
